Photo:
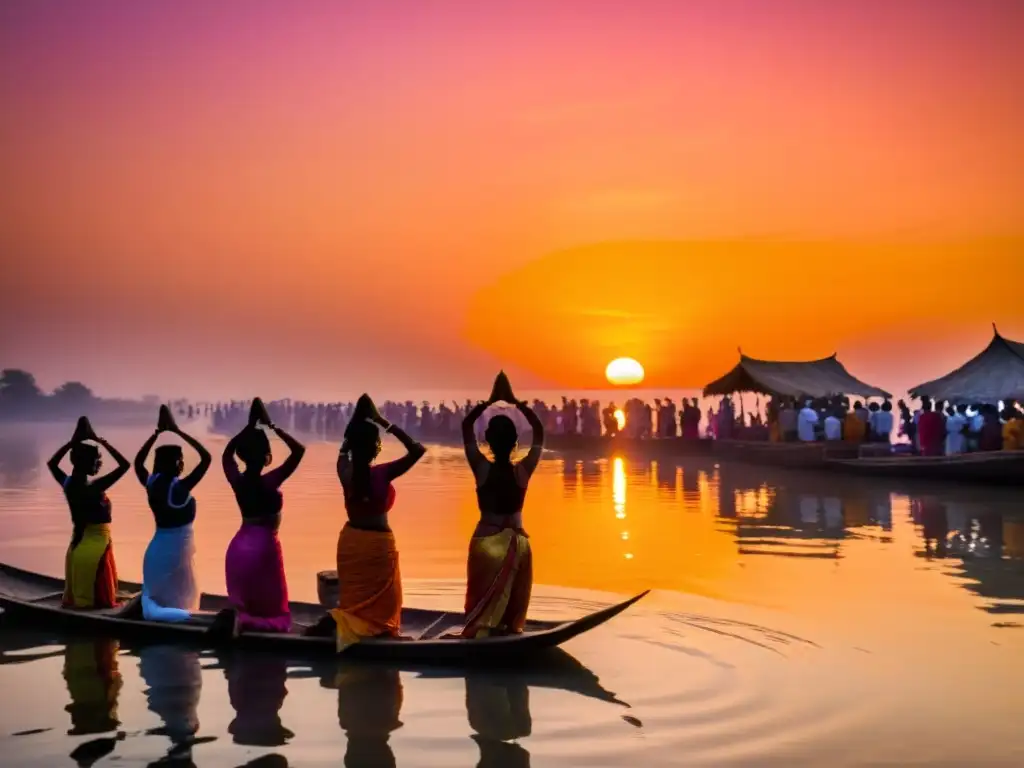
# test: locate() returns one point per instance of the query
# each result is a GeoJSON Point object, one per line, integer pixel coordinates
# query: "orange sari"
{"type": "Point", "coordinates": [499, 582]}
{"type": "Point", "coordinates": [369, 586]}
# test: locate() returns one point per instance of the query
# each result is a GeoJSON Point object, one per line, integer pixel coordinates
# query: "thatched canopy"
{"type": "Point", "coordinates": [996, 373]}
{"type": "Point", "coordinates": [813, 378]}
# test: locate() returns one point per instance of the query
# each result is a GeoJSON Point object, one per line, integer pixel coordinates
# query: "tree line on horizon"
{"type": "Point", "coordinates": [21, 397]}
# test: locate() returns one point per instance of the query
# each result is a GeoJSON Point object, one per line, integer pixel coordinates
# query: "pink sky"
{"type": "Point", "coordinates": [218, 198]}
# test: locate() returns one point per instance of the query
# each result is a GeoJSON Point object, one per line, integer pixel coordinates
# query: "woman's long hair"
{"type": "Point", "coordinates": [363, 438]}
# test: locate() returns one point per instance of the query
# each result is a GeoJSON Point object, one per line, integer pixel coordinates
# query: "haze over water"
{"type": "Point", "coordinates": [795, 621]}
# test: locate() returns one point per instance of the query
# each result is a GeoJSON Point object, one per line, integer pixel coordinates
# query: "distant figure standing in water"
{"type": "Point", "coordinates": [169, 591]}
{"type": "Point", "coordinates": [369, 580]}
{"type": "Point", "coordinates": [254, 565]}
{"type": "Point", "coordinates": [500, 565]}
{"type": "Point", "coordinates": [90, 574]}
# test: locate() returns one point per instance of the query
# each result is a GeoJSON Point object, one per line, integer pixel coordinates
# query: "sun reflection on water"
{"type": "Point", "coordinates": [619, 487]}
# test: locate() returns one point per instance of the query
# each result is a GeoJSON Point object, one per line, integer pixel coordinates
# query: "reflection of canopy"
{"type": "Point", "coordinates": [814, 378]}
{"type": "Point", "coordinates": [996, 373]}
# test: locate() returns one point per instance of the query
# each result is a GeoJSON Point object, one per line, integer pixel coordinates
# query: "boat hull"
{"type": "Point", "coordinates": [33, 600]}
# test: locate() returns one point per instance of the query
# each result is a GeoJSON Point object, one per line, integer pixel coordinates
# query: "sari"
{"type": "Point", "coordinates": [369, 586]}
{"type": "Point", "coordinates": [90, 574]}
{"type": "Point", "coordinates": [169, 591]}
{"type": "Point", "coordinates": [498, 585]}
{"type": "Point", "coordinates": [254, 570]}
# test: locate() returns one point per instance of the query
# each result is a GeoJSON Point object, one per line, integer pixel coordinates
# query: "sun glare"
{"type": "Point", "coordinates": [620, 419]}
{"type": "Point", "coordinates": [624, 371]}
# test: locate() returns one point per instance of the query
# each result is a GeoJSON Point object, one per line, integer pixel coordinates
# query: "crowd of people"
{"type": "Point", "coordinates": [933, 429]}
{"type": "Point", "coordinates": [636, 418]}
{"type": "Point", "coordinates": [946, 429]}
{"type": "Point", "coordinates": [369, 588]}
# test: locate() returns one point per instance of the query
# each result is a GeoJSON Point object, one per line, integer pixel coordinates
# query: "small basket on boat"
{"type": "Point", "coordinates": [327, 588]}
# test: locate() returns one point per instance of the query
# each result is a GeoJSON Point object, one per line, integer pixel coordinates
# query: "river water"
{"type": "Point", "coordinates": [797, 619]}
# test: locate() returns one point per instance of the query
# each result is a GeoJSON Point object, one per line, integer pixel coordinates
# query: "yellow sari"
{"type": "Point", "coordinates": [499, 583]}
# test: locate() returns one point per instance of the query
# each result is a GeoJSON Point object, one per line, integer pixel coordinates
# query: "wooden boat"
{"type": "Point", "coordinates": [32, 599]}
{"type": "Point", "coordinates": [792, 455]}
{"type": "Point", "coordinates": [990, 467]}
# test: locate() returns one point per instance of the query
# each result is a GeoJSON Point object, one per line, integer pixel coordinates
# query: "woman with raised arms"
{"type": "Point", "coordinates": [90, 574]}
{"type": "Point", "coordinates": [169, 591]}
{"type": "Point", "coordinates": [254, 565]}
{"type": "Point", "coordinates": [500, 564]}
{"type": "Point", "coordinates": [369, 579]}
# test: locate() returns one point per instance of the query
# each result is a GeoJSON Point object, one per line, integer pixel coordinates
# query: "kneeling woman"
{"type": "Point", "coordinates": [369, 580]}
{"type": "Point", "coordinates": [90, 574]}
{"type": "Point", "coordinates": [169, 591]}
{"type": "Point", "coordinates": [254, 566]}
{"type": "Point", "coordinates": [500, 566]}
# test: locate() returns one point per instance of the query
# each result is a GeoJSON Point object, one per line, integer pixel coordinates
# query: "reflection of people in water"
{"type": "Point", "coordinates": [93, 681]}
{"type": "Point", "coordinates": [369, 705]}
{"type": "Point", "coordinates": [257, 686]}
{"type": "Point", "coordinates": [934, 525]}
{"type": "Point", "coordinates": [498, 710]}
{"type": "Point", "coordinates": [174, 681]}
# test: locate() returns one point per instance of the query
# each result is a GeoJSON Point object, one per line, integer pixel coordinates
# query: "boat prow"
{"type": "Point", "coordinates": [34, 600]}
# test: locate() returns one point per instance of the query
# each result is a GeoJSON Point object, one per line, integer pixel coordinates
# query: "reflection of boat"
{"type": "Point", "coordinates": [497, 704]}
{"type": "Point", "coordinates": [19, 647]}
{"type": "Point", "coordinates": [35, 598]}
{"type": "Point", "coordinates": [993, 467]}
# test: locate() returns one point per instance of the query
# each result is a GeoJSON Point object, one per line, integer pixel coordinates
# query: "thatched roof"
{"type": "Point", "coordinates": [813, 378]}
{"type": "Point", "coordinates": [996, 373]}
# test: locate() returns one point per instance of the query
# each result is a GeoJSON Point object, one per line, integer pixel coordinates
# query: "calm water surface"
{"type": "Point", "coordinates": [797, 620]}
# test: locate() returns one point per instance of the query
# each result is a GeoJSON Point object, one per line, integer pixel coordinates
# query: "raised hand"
{"type": "Point", "coordinates": [502, 390]}
{"type": "Point", "coordinates": [83, 431]}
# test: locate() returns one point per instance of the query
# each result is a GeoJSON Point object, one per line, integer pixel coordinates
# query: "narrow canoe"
{"type": "Point", "coordinates": [32, 599]}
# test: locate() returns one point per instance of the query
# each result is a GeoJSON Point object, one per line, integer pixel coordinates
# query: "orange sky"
{"type": "Point", "coordinates": [297, 200]}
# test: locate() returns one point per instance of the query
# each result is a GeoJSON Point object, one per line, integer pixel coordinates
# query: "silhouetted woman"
{"type": "Point", "coordinates": [500, 565]}
{"type": "Point", "coordinates": [254, 565]}
{"type": "Point", "coordinates": [369, 579]}
{"type": "Point", "coordinates": [90, 574]}
{"type": "Point", "coordinates": [169, 591]}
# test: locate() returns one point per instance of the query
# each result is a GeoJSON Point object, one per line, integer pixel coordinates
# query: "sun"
{"type": "Point", "coordinates": [624, 371]}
